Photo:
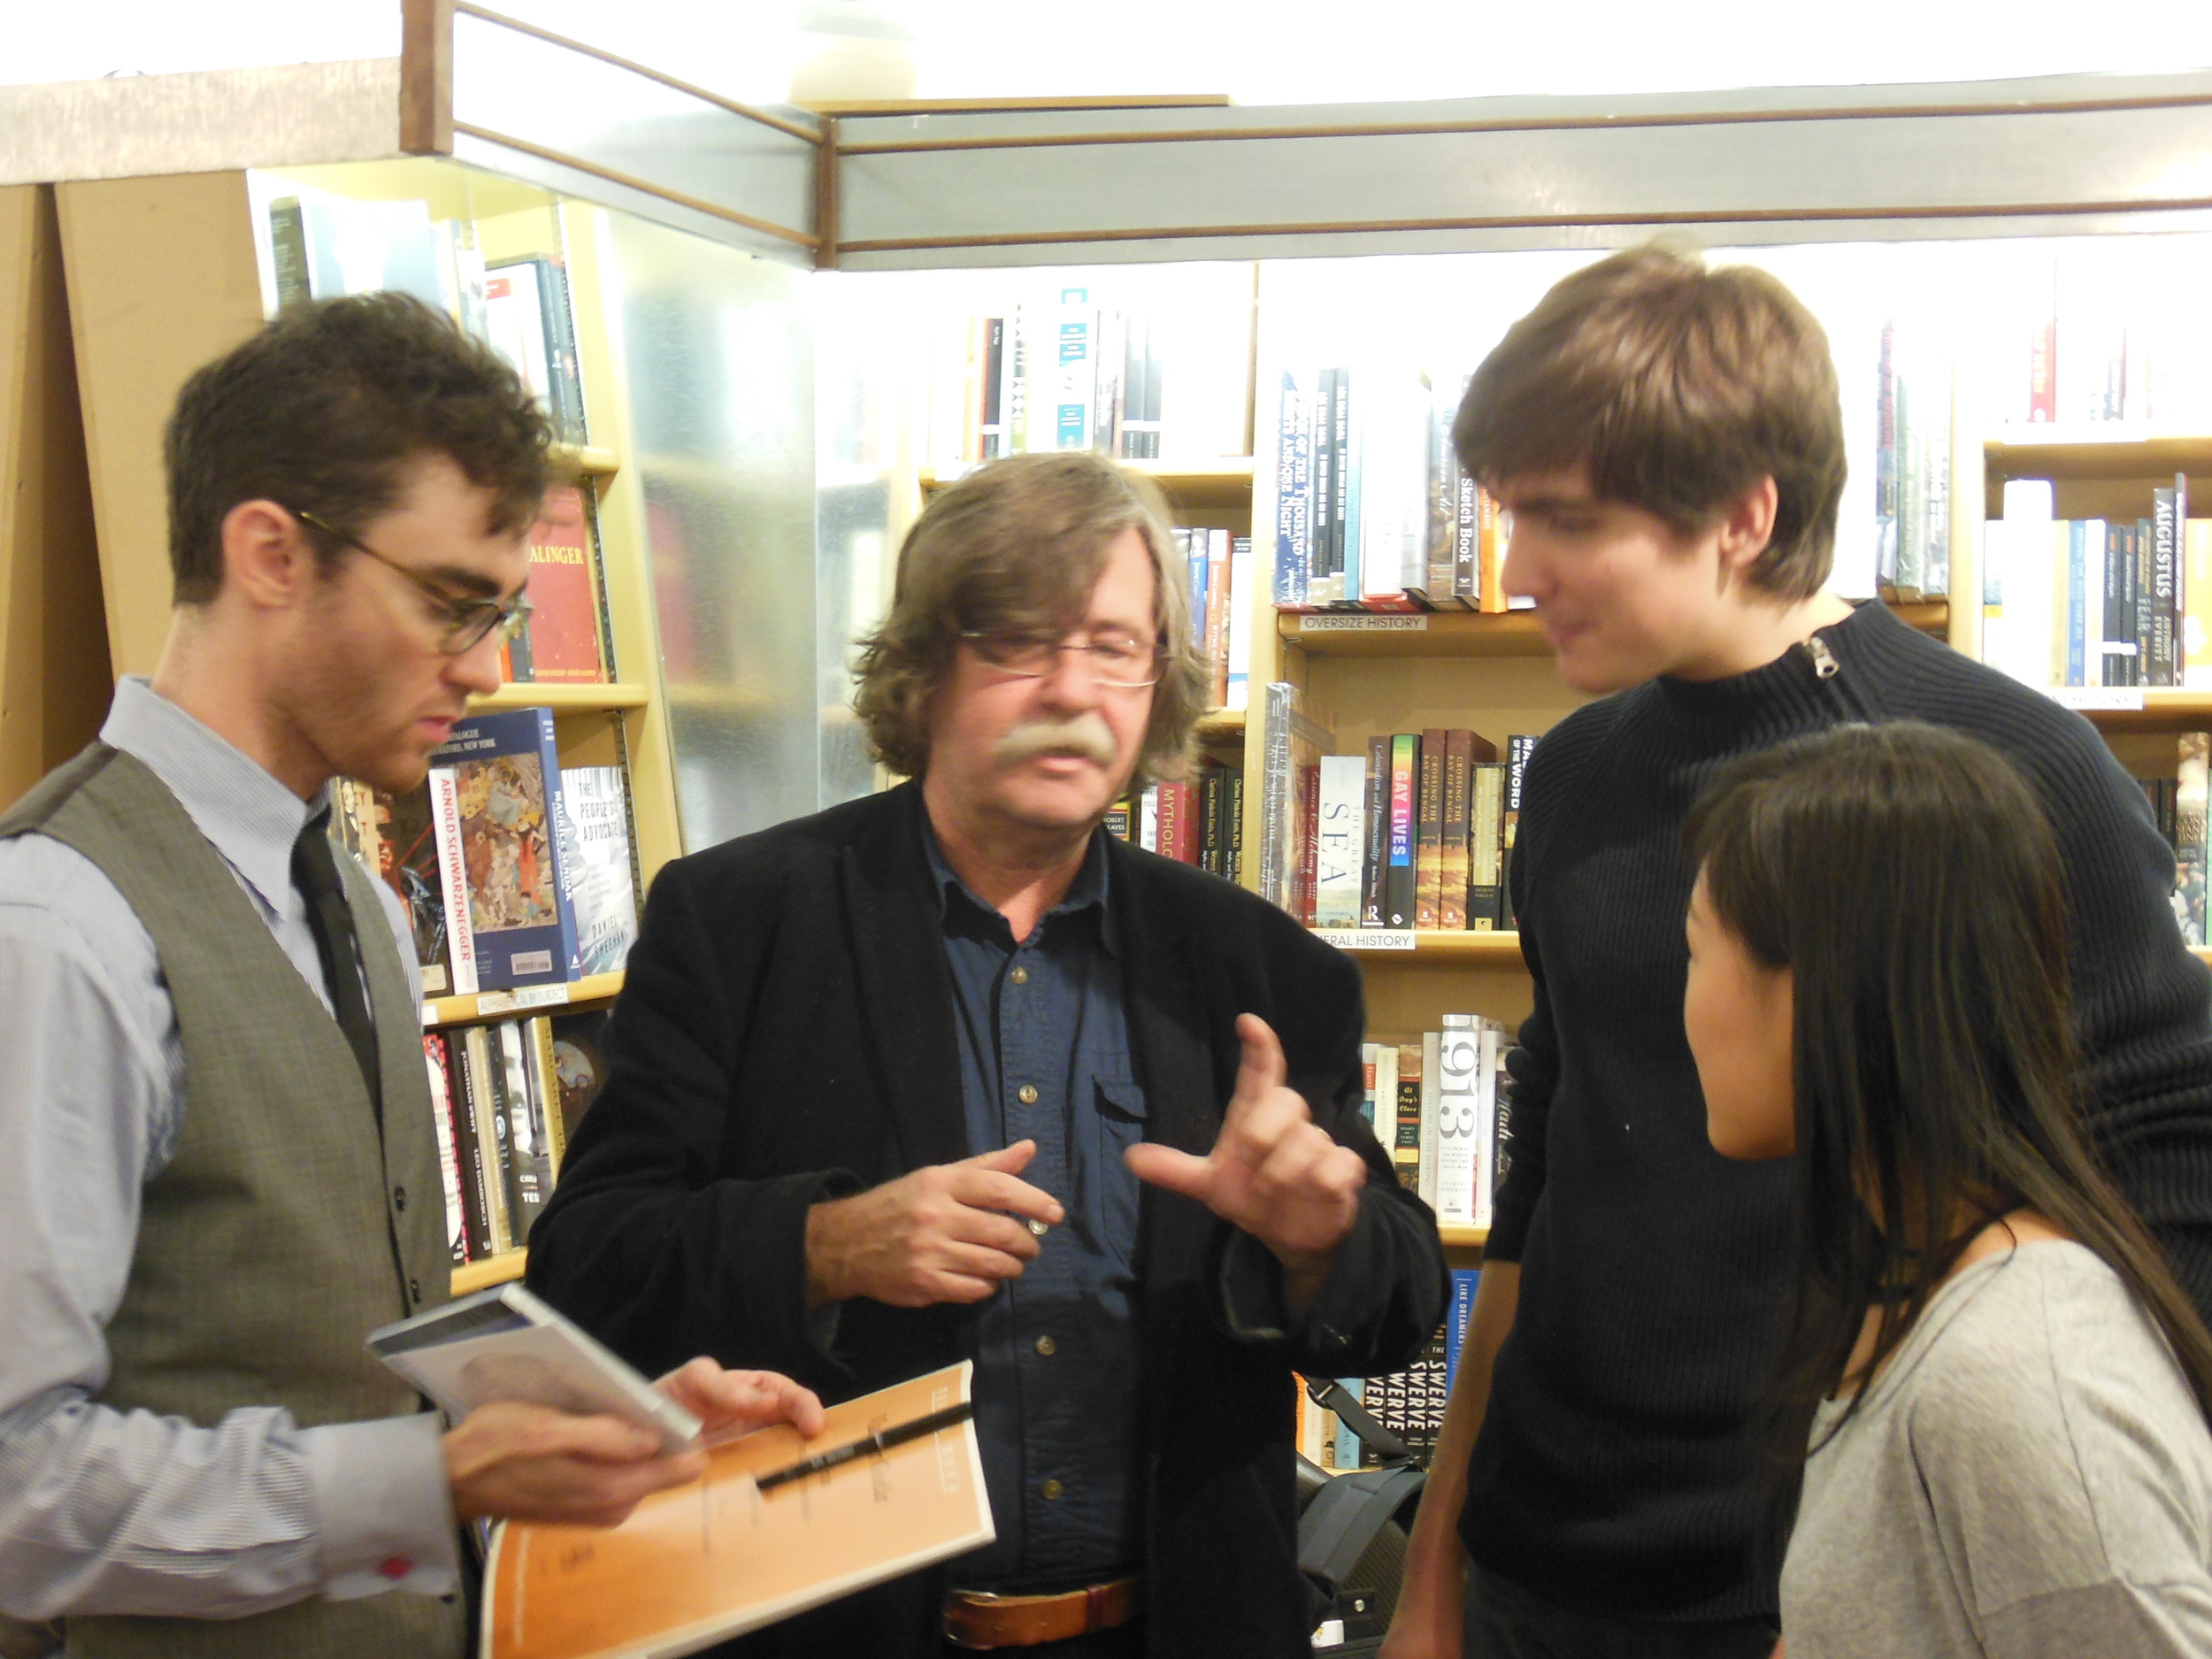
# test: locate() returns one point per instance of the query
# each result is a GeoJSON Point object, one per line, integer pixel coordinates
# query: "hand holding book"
{"type": "Point", "coordinates": [512, 1460]}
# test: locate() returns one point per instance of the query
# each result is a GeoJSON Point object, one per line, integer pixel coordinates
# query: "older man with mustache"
{"type": "Point", "coordinates": [950, 1073]}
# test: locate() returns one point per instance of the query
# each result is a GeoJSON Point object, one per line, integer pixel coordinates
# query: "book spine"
{"type": "Point", "coordinates": [2077, 602]}
{"type": "Point", "coordinates": [288, 248]}
{"type": "Point", "coordinates": [1407, 1147]}
{"type": "Point", "coordinates": [511, 1107]}
{"type": "Point", "coordinates": [1441, 526]}
{"type": "Point", "coordinates": [2165, 573]}
{"type": "Point", "coordinates": [1375, 828]}
{"type": "Point", "coordinates": [1451, 902]}
{"type": "Point", "coordinates": [1111, 351]}
{"type": "Point", "coordinates": [1341, 840]}
{"type": "Point", "coordinates": [475, 1201]}
{"type": "Point", "coordinates": [563, 850]}
{"type": "Point", "coordinates": [491, 1140]}
{"type": "Point", "coordinates": [1238, 684]}
{"type": "Point", "coordinates": [563, 371]}
{"type": "Point", "coordinates": [1208, 812]}
{"type": "Point", "coordinates": [1400, 873]}
{"type": "Point", "coordinates": [1466, 542]}
{"type": "Point", "coordinates": [1501, 1117]}
{"type": "Point", "coordinates": [1235, 810]}
{"type": "Point", "coordinates": [2190, 874]}
{"type": "Point", "coordinates": [1431, 1094]}
{"type": "Point", "coordinates": [1351, 431]}
{"type": "Point", "coordinates": [1518, 751]}
{"type": "Point", "coordinates": [460, 931]}
{"type": "Point", "coordinates": [1171, 821]}
{"type": "Point", "coordinates": [1465, 1280]}
{"type": "Point", "coordinates": [1322, 544]}
{"type": "Point", "coordinates": [2196, 595]}
{"type": "Point", "coordinates": [1486, 803]}
{"type": "Point", "coordinates": [1309, 837]}
{"type": "Point", "coordinates": [992, 431]}
{"type": "Point", "coordinates": [2145, 602]}
{"type": "Point", "coordinates": [1293, 459]}
{"type": "Point", "coordinates": [1459, 1065]}
{"type": "Point", "coordinates": [1428, 875]}
{"type": "Point", "coordinates": [1885, 461]}
{"type": "Point", "coordinates": [1275, 795]}
{"type": "Point", "coordinates": [1135, 364]}
{"type": "Point", "coordinates": [1491, 544]}
{"type": "Point", "coordinates": [1218, 618]}
{"type": "Point", "coordinates": [1076, 371]}
{"type": "Point", "coordinates": [545, 1095]}
{"type": "Point", "coordinates": [456, 1225]}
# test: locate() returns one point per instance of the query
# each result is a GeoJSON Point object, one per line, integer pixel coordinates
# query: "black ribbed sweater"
{"type": "Point", "coordinates": [1614, 1472]}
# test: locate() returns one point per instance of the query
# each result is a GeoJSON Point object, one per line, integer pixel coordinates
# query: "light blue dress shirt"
{"type": "Point", "coordinates": [101, 1511]}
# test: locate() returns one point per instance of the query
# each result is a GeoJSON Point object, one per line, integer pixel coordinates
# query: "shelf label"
{"type": "Point", "coordinates": [2088, 698]}
{"type": "Point", "coordinates": [1366, 938]}
{"type": "Point", "coordinates": [1362, 625]}
{"type": "Point", "coordinates": [528, 996]}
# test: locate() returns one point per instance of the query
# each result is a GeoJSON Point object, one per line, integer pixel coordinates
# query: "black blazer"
{"type": "Point", "coordinates": [785, 1034]}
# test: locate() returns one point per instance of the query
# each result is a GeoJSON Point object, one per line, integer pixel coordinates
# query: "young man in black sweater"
{"type": "Point", "coordinates": [1669, 441]}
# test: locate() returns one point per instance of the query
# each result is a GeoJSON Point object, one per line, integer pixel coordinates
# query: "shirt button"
{"type": "Point", "coordinates": [1020, 976]}
{"type": "Point", "coordinates": [1026, 1093]}
{"type": "Point", "coordinates": [399, 1198]}
{"type": "Point", "coordinates": [1046, 1347]}
{"type": "Point", "coordinates": [1052, 1489]}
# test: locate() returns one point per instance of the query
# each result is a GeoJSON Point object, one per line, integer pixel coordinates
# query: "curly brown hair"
{"type": "Point", "coordinates": [323, 411]}
{"type": "Point", "coordinates": [1016, 547]}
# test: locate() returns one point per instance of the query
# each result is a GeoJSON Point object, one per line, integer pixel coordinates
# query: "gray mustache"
{"type": "Point", "coordinates": [1085, 735]}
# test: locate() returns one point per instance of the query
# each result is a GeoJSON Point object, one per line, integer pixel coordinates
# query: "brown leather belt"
{"type": "Point", "coordinates": [976, 1618]}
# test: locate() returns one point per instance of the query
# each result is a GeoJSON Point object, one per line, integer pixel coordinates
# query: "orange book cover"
{"type": "Point", "coordinates": [565, 594]}
{"type": "Point", "coordinates": [704, 1563]}
{"type": "Point", "coordinates": [1491, 557]}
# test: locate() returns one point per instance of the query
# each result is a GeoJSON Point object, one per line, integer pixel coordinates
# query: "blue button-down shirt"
{"type": "Point", "coordinates": [1044, 1056]}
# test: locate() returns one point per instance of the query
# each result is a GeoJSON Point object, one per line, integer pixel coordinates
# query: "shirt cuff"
{"type": "Point", "coordinates": [383, 1508]}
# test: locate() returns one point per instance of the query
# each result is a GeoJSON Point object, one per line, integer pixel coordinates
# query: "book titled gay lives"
{"type": "Point", "coordinates": [494, 799]}
{"type": "Point", "coordinates": [777, 1525]}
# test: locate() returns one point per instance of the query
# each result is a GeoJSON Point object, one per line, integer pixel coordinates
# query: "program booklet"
{"type": "Point", "coordinates": [766, 1533]}
{"type": "Point", "coordinates": [505, 1344]}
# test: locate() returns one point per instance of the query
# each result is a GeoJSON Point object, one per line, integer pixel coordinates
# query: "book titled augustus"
{"type": "Point", "coordinates": [494, 792]}
{"type": "Point", "coordinates": [596, 863]}
{"type": "Point", "coordinates": [564, 647]}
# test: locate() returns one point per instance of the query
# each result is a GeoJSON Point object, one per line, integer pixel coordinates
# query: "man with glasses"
{"type": "Point", "coordinates": [950, 1073]}
{"type": "Point", "coordinates": [217, 1163]}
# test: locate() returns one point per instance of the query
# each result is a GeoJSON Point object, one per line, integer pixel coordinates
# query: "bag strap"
{"type": "Point", "coordinates": [1335, 1396]}
{"type": "Point", "coordinates": [1345, 1515]}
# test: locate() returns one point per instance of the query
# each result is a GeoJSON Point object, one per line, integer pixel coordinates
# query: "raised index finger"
{"type": "Point", "coordinates": [1262, 1069]}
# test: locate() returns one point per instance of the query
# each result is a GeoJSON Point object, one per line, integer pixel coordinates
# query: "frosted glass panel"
{"type": "Point", "coordinates": [721, 385]}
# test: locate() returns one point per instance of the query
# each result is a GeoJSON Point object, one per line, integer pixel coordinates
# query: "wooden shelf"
{"type": "Point", "coordinates": [1454, 1239]}
{"type": "Point", "coordinates": [582, 460]}
{"type": "Point", "coordinates": [1226, 483]}
{"type": "Point", "coordinates": [563, 699]}
{"type": "Point", "coordinates": [2165, 709]}
{"type": "Point", "coordinates": [1433, 947]}
{"type": "Point", "coordinates": [1475, 634]}
{"type": "Point", "coordinates": [535, 999]}
{"type": "Point", "coordinates": [1221, 726]}
{"type": "Point", "coordinates": [499, 1270]}
{"type": "Point", "coordinates": [2096, 449]}
{"type": "Point", "coordinates": [2202, 953]}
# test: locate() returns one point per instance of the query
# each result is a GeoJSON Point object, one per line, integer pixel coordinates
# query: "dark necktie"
{"type": "Point", "coordinates": [315, 872]}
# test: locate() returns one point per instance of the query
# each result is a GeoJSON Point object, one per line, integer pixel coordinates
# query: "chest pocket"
{"type": "Point", "coordinates": [1108, 1194]}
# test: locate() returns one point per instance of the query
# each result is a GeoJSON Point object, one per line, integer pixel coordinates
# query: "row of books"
{"type": "Point", "coordinates": [2112, 334]}
{"type": "Point", "coordinates": [1410, 1403]}
{"type": "Point", "coordinates": [1196, 820]}
{"type": "Point", "coordinates": [322, 246]}
{"type": "Point", "coordinates": [1065, 375]}
{"type": "Point", "coordinates": [1418, 832]}
{"type": "Point", "coordinates": [1220, 567]}
{"type": "Point", "coordinates": [567, 641]}
{"type": "Point", "coordinates": [1372, 510]}
{"type": "Point", "coordinates": [514, 871]}
{"type": "Point", "coordinates": [2097, 603]}
{"type": "Point", "coordinates": [1912, 466]}
{"type": "Point", "coordinates": [1442, 1108]}
{"type": "Point", "coordinates": [507, 1095]}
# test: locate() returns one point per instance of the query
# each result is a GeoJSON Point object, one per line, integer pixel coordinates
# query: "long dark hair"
{"type": "Point", "coordinates": [1906, 877]}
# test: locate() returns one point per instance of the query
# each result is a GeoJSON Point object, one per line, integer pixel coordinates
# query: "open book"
{"type": "Point", "coordinates": [766, 1534]}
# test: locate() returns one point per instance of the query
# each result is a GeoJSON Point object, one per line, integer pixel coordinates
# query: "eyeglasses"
{"type": "Point", "coordinates": [1116, 659]}
{"type": "Point", "coordinates": [468, 622]}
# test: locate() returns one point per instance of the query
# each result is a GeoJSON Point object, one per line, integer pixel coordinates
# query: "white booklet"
{"type": "Point", "coordinates": [505, 1344]}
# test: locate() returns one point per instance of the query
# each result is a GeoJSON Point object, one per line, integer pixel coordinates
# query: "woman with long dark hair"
{"type": "Point", "coordinates": [1995, 1393]}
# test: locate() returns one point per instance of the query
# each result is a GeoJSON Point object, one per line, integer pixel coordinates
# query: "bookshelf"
{"type": "Point", "coordinates": [141, 331]}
